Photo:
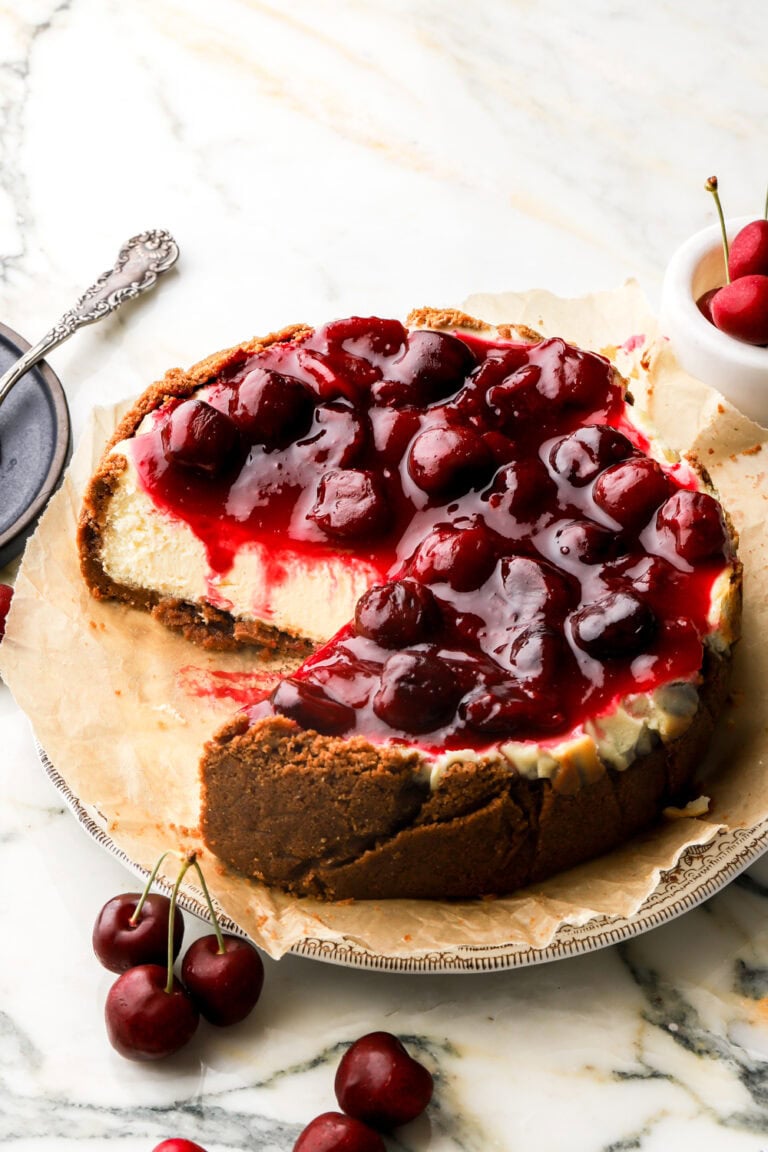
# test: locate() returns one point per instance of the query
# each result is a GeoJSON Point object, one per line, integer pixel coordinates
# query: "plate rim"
{"type": "Point", "coordinates": [735, 848]}
{"type": "Point", "coordinates": [22, 525]}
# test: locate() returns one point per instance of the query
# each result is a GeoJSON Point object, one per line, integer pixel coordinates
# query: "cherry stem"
{"type": "Point", "coordinates": [147, 888]}
{"type": "Point", "coordinates": [188, 861]}
{"type": "Point", "coordinates": [211, 909]}
{"type": "Point", "coordinates": [711, 186]}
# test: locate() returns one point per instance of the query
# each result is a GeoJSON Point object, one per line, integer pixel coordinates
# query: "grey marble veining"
{"type": "Point", "coordinates": [315, 159]}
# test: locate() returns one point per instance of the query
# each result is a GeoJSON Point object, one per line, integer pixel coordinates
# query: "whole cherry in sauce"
{"type": "Point", "coordinates": [335, 1132]}
{"type": "Point", "coordinates": [629, 492]}
{"type": "Point", "coordinates": [448, 461]}
{"type": "Point", "coordinates": [380, 1083]}
{"type": "Point", "coordinates": [696, 524]}
{"type": "Point", "coordinates": [418, 693]}
{"type": "Point", "coordinates": [223, 976]}
{"type": "Point", "coordinates": [433, 365]}
{"type": "Point", "coordinates": [396, 614]}
{"type": "Point", "coordinates": [619, 624]}
{"type": "Point", "coordinates": [148, 1016]}
{"type": "Point", "coordinates": [200, 437]}
{"type": "Point", "coordinates": [311, 706]}
{"type": "Point", "coordinates": [271, 408]}
{"type": "Point", "coordinates": [132, 929]}
{"type": "Point", "coordinates": [581, 455]}
{"type": "Point", "coordinates": [461, 557]}
{"type": "Point", "coordinates": [351, 503]}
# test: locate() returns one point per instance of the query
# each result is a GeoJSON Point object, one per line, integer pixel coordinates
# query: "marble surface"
{"type": "Point", "coordinates": [316, 159]}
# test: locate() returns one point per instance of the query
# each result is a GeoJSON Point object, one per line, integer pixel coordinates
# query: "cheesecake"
{"type": "Point", "coordinates": [511, 611]}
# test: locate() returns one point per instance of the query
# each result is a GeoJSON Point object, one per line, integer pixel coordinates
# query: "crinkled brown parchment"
{"type": "Point", "coordinates": [123, 708]}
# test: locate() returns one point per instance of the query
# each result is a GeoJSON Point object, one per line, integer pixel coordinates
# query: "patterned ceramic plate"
{"type": "Point", "coordinates": [701, 872]}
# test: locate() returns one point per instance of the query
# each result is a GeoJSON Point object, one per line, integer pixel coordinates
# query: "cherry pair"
{"type": "Point", "coordinates": [740, 307]}
{"type": "Point", "coordinates": [378, 1086]}
{"type": "Point", "coordinates": [149, 1013]}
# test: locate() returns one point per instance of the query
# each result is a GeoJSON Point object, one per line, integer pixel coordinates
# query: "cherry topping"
{"type": "Point", "coordinates": [433, 366]}
{"type": "Point", "coordinates": [580, 456]}
{"type": "Point", "coordinates": [535, 655]}
{"type": "Point", "coordinates": [696, 523]}
{"type": "Point", "coordinates": [629, 492]}
{"type": "Point", "coordinates": [310, 706]}
{"type": "Point", "coordinates": [521, 488]}
{"type": "Point", "coordinates": [571, 376]}
{"type": "Point", "coordinates": [618, 624]}
{"type": "Point", "coordinates": [461, 557]}
{"type": "Point", "coordinates": [336, 437]}
{"type": "Point", "coordinates": [272, 409]}
{"type": "Point", "coordinates": [145, 1020]}
{"type": "Point", "coordinates": [498, 710]}
{"type": "Point", "coordinates": [122, 939]}
{"type": "Point", "coordinates": [418, 692]}
{"type": "Point", "coordinates": [517, 398]}
{"type": "Point", "coordinates": [200, 437]}
{"type": "Point", "coordinates": [585, 541]}
{"type": "Point", "coordinates": [748, 253]}
{"type": "Point", "coordinates": [351, 503]}
{"type": "Point", "coordinates": [535, 589]}
{"type": "Point", "coordinates": [6, 595]}
{"type": "Point", "coordinates": [380, 1083]}
{"type": "Point", "coordinates": [223, 983]}
{"type": "Point", "coordinates": [740, 309]}
{"type": "Point", "coordinates": [397, 614]}
{"type": "Point", "coordinates": [177, 1144]}
{"type": "Point", "coordinates": [369, 337]}
{"type": "Point", "coordinates": [334, 1132]}
{"type": "Point", "coordinates": [449, 461]}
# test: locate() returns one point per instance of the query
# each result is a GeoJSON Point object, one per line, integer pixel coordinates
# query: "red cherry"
{"type": "Point", "coordinates": [583, 454]}
{"type": "Point", "coordinates": [535, 589]}
{"type": "Point", "coordinates": [704, 304]}
{"type": "Point", "coordinates": [310, 706]}
{"type": "Point", "coordinates": [122, 941]}
{"type": "Point", "coordinates": [380, 1083]}
{"type": "Point", "coordinates": [748, 252]}
{"type": "Point", "coordinates": [629, 492]}
{"type": "Point", "coordinates": [200, 437]}
{"type": "Point", "coordinates": [337, 374]}
{"type": "Point", "coordinates": [418, 692]}
{"type": "Point", "coordinates": [586, 541]}
{"type": "Point", "coordinates": [272, 409]}
{"type": "Point", "coordinates": [397, 614]}
{"type": "Point", "coordinates": [449, 461]}
{"type": "Point", "coordinates": [619, 624]}
{"type": "Point", "coordinates": [177, 1144]}
{"type": "Point", "coordinates": [696, 524]}
{"type": "Point", "coordinates": [393, 430]}
{"type": "Point", "coordinates": [433, 365]}
{"type": "Point", "coordinates": [461, 557]}
{"type": "Point", "coordinates": [369, 337]}
{"type": "Point", "coordinates": [351, 503]}
{"type": "Point", "coordinates": [334, 1132]}
{"type": "Point", "coordinates": [224, 986]}
{"type": "Point", "coordinates": [6, 595]}
{"type": "Point", "coordinates": [518, 398]}
{"type": "Point", "coordinates": [740, 309]}
{"type": "Point", "coordinates": [144, 1020]}
{"type": "Point", "coordinates": [521, 488]}
{"type": "Point", "coordinates": [336, 437]}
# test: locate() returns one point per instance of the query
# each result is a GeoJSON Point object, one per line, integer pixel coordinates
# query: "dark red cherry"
{"type": "Point", "coordinates": [418, 693]}
{"type": "Point", "coordinates": [631, 491]}
{"type": "Point", "coordinates": [433, 365]}
{"type": "Point", "coordinates": [6, 595]}
{"type": "Point", "coordinates": [336, 374]}
{"type": "Point", "coordinates": [586, 541]}
{"type": "Point", "coordinates": [272, 409]}
{"type": "Point", "coordinates": [380, 1083]}
{"type": "Point", "coordinates": [369, 337]}
{"type": "Point", "coordinates": [619, 624]}
{"type": "Point", "coordinates": [144, 1021]}
{"type": "Point", "coordinates": [200, 437]}
{"type": "Point", "coordinates": [517, 399]}
{"type": "Point", "coordinates": [393, 430]}
{"type": "Point", "coordinates": [521, 488]}
{"type": "Point", "coordinates": [536, 655]}
{"type": "Point", "coordinates": [336, 437]}
{"type": "Point", "coordinates": [740, 309]}
{"type": "Point", "coordinates": [498, 710]}
{"type": "Point", "coordinates": [535, 589]}
{"type": "Point", "coordinates": [445, 461]}
{"type": "Point", "coordinates": [177, 1144]}
{"type": "Point", "coordinates": [461, 557]}
{"type": "Point", "coordinates": [351, 503]}
{"type": "Point", "coordinates": [696, 523]}
{"type": "Point", "coordinates": [224, 986]}
{"type": "Point", "coordinates": [580, 456]}
{"type": "Point", "coordinates": [704, 304]}
{"type": "Point", "coordinates": [397, 614]}
{"type": "Point", "coordinates": [122, 942]}
{"type": "Point", "coordinates": [572, 377]}
{"type": "Point", "coordinates": [334, 1132]}
{"type": "Point", "coordinates": [310, 706]}
{"type": "Point", "coordinates": [748, 251]}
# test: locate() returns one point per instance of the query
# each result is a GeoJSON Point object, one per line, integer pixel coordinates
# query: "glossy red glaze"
{"type": "Point", "coordinates": [453, 460]}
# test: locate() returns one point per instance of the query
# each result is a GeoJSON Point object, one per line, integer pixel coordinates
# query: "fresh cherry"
{"type": "Point", "coordinates": [461, 557]}
{"type": "Point", "coordinates": [272, 409]}
{"type": "Point", "coordinates": [177, 1144]}
{"type": "Point", "coordinates": [397, 614]}
{"type": "Point", "coordinates": [695, 522]}
{"type": "Point", "coordinates": [132, 929]}
{"type": "Point", "coordinates": [224, 976]}
{"type": "Point", "coordinates": [351, 503]}
{"type": "Point", "coordinates": [740, 309]}
{"type": "Point", "coordinates": [6, 595]}
{"type": "Point", "coordinates": [380, 1083]}
{"type": "Point", "coordinates": [630, 491]}
{"type": "Point", "coordinates": [334, 1132]}
{"type": "Point", "coordinates": [449, 461]}
{"type": "Point", "coordinates": [310, 706]}
{"type": "Point", "coordinates": [418, 692]}
{"type": "Point", "coordinates": [619, 624]}
{"type": "Point", "coordinates": [748, 251]}
{"type": "Point", "coordinates": [200, 437]}
{"type": "Point", "coordinates": [148, 1017]}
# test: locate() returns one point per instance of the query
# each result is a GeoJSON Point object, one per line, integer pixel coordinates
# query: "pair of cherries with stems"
{"type": "Point", "coordinates": [740, 307]}
{"type": "Point", "coordinates": [149, 1012]}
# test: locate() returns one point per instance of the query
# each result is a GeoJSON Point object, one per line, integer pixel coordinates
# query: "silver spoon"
{"type": "Point", "coordinates": [139, 263]}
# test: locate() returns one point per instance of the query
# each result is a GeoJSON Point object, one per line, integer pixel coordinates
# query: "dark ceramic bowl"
{"type": "Point", "coordinates": [35, 445]}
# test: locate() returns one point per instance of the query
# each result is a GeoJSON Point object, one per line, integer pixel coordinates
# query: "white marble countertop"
{"type": "Point", "coordinates": [315, 159]}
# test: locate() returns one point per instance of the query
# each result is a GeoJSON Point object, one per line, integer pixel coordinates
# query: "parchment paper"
{"type": "Point", "coordinates": [122, 707]}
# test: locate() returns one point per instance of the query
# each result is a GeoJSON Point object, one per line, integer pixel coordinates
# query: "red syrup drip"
{"type": "Point", "coordinates": [505, 478]}
{"type": "Point", "coordinates": [216, 684]}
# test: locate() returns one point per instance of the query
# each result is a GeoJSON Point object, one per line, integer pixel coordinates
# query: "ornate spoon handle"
{"type": "Point", "coordinates": [138, 265]}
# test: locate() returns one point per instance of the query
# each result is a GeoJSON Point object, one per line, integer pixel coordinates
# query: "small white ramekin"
{"type": "Point", "coordinates": [739, 371]}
